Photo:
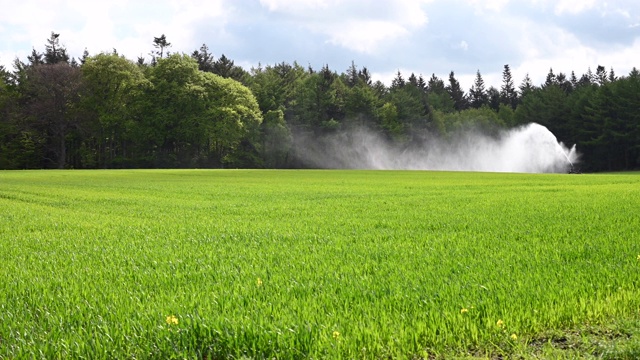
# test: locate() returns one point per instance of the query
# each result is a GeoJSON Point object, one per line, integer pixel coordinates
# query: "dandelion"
{"type": "Point", "coordinates": [514, 337]}
{"type": "Point", "coordinates": [639, 257]}
{"type": "Point", "coordinates": [259, 282]}
{"type": "Point", "coordinates": [336, 335]}
{"type": "Point", "coordinates": [172, 320]}
{"type": "Point", "coordinates": [500, 323]}
{"type": "Point", "coordinates": [464, 311]}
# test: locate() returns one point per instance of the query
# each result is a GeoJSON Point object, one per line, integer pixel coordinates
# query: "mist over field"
{"type": "Point", "coordinates": [531, 148]}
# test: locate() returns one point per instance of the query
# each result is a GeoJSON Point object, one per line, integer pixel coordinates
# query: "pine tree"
{"type": "Point", "coordinates": [413, 80]}
{"type": "Point", "coordinates": [435, 85]}
{"type": "Point", "coordinates": [352, 75]}
{"type": "Point", "coordinates": [612, 75]}
{"type": "Point", "coordinates": [508, 93]}
{"type": "Point", "coordinates": [365, 76]}
{"type": "Point", "coordinates": [226, 68]}
{"type": "Point", "coordinates": [526, 86]}
{"type": "Point", "coordinates": [586, 78]}
{"type": "Point", "coordinates": [494, 98]}
{"type": "Point", "coordinates": [160, 43]}
{"type": "Point", "coordinates": [35, 58]}
{"type": "Point", "coordinates": [574, 80]}
{"type": "Point", "coordinates": [54, 52]}
{"type": "Point", "coordinates": [85, 56]}
{"type": "Point", "coordinates": [398, 82]}
{"type": "Point", "coordinates": [422, 85]}
{"type": "Point", "coordinates": [457, 94]}
{"type": "Point", "coordinates": [204, 58]}
{"type": "Point", "coordinates": [477, 94]}
{"type": "Point", "coordinates": [564, 83]}
{"type": "Point", "coordinates": [551, 79]}
{"type": "Point", "coordinates": [601, 75]}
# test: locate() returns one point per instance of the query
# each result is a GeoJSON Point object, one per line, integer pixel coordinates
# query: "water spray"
{"type": "Point", "coordinates": [531, 148]}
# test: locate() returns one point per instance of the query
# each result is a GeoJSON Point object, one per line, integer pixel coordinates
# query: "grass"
{"type": "Point", "coordinates": [318, 264]}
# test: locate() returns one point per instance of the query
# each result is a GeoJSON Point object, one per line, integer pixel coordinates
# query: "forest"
{"type": "Point", "coordinates": [199, 111]}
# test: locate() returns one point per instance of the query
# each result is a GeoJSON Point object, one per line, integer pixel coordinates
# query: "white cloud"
{"type": "Point", "coordinates": [365, 36]}
{"type": "Point", "coordinates": [129, 26]}
{"type": "Point", "coordinates": [493, 5]}
{"type": "Point", "coordinates": [530, 35]}
{"type": "Point", "coordinates": [573, 6]}
{"type": "Point", "coordinates": [359, 25]}
{"type": "Point", "coordinates": [462, 45]}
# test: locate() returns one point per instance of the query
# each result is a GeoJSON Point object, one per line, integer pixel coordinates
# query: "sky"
{"type": "Point", "coordinates": [386, 36]}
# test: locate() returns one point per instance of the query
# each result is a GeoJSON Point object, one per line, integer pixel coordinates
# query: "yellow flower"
{"type": "Point", "coordinates": [500, 323]}
{"type": "Point", "coordinates": [514, 337]}
{"type": "Point", "coordinates": [172, 320]}
{"type": "Point", "coordinates": [259, 282]}
{"type": "Point", "coordinates": [638, 257]}
{"type": "Point", "coordinates": [336, 335]}
{"type": "Point", "coordinates": [464, 311]}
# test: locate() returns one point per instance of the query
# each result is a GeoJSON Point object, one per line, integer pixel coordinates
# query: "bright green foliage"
{"type": "Point", "coordinates": [197, 116]}
{"type": "Point", "coordinates": [311, 264]}
{"type": "Point", "coordinates": [114, 87]}
{"type": "Point", "coordinates": [233, 115]}
{"type": "Point", "coordinates": [388, 114]}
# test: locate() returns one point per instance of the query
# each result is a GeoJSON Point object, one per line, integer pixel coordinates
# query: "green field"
{"type": "Point", "coordinates": [318, 264]}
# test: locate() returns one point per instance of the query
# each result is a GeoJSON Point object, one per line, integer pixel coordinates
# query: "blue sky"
{"type": "Point", "coordinates": [420, 36]}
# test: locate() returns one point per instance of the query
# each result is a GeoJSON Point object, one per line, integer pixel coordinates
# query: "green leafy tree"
{"type": "Point", "coordinates": [390, 123]}
{"type": "Point", "coordinates": [173, 111]}
{"type": "Point", "coordinates": [197, 118]}
{"type": "Point", "coordinates": [233, 119]}
{"type": "Point", "coordinates": [114, 85]}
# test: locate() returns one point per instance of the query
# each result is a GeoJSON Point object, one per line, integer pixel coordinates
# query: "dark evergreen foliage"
{"type": "Point", "coordinates": [478, 96]}
{"type": "Point", "coordinates": [508, 93]}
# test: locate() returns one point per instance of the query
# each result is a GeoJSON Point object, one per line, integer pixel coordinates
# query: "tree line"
{"type": "Point", "coordinates": [180, 111]}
